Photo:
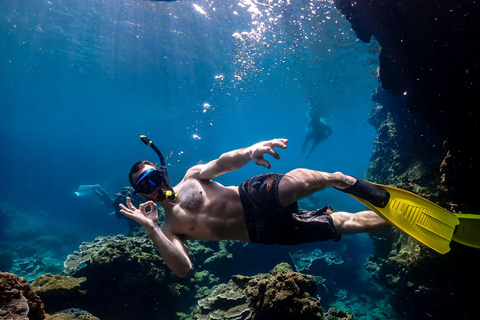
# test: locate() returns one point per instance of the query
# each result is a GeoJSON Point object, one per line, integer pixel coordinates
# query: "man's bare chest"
{"type": "Point", "coordinates": [191, 196]}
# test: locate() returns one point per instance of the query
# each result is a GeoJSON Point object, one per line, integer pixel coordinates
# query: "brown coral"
{"type": "Point", "coordinates": [50, 282]}
{"type": "Point", "coordinates": [18, 300]}
{"type": "Point", "coordinates": [284, 296]}
{"type": "Point", "coordinates": [65, 316]}
{"type": "Point", "coordinates": [59, 292]}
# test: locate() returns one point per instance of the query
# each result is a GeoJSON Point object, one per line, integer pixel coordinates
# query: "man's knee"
{"type": "Point", "coordinates": [341, 180]}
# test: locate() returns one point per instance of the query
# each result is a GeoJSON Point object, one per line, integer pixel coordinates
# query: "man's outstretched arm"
{"type": "Point", "coordinates": [168, 245]}
{"type": "Point", "coordinates": [234, 160]}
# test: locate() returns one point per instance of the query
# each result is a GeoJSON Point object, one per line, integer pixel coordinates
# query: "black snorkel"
{"type": "Point", "coordinates": [162, 195]}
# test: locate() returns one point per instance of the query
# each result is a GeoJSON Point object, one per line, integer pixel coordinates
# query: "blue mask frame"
{"type": "Point", "coordinates": [148, 182]}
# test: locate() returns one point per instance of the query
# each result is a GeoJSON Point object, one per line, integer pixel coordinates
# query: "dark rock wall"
{"type": "Point", "coordinates": [430, 60]}
{"type": "Point", "coordinates": [427, 123]}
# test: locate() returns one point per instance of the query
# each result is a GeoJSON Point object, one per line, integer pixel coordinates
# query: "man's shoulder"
{"type": "Point", "coordinates": [190, 174]}
{"type": "Point", "coordinates": [193, 173]}
{"type": "Point", "coordinates": [194, 170]}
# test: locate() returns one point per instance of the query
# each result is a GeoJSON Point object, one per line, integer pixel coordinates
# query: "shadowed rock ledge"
{"type": "Point", "coordinates": [427, 121]}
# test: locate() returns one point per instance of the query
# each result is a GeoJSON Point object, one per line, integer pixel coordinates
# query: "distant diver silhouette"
{"type": "Point", "coordinates": [317, 131]}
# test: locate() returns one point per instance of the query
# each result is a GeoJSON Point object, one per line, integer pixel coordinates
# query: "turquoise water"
{"type": "Point", "coordinates": [80, 81]}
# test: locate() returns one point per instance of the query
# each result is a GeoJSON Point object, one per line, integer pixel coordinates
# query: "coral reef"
{"type": "Point", "coordinates": [123, 270]}
{"type": "Point", "coordinates": [226, 301]}
{"type": "Point", "coordinates": [112, 271]}
{"type": "Point", "coordinates": [435, 73]}
{"type": "Point", "coordinates": [78, 259]}
{"type": "Point", "coordinates": [335, 314]}
{"type": "Point", "coordinates": [17, 299]}
{"type": "Point", "coordinates": [282, 267]}
{"type": "Point", "coordinates": [31, 267]}
{"type": "Point", "coordinates": [59, 291]}
{"type": "Point", "coordinates": [278, 295]}
{"type": "Point", "coordinates": [303, 260]}
{"type": "Point", "coordinates": [284, 296]}
{"type": "Point", "coordinates": [66, 316]}
{"type": "Point", "coordinates": [204, 252]}
{"type": "Point", "coordinates": [71, 314]}
{"type": "Point", "coordinates": [50, 282]}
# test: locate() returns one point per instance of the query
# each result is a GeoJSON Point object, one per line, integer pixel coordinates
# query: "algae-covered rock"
{"type": "Point", "coordinates": [79, 259]}
{"type": "Point", "coordinates": [288, 295]}
{"type": "Point", "coordinates": [221, 254]}
{"type": "Point", "coordinates": [203, 253]}
{"type": "Point", "coordinates": [227, 301]}
{"type": "Point", "coordinates": [58, 291]}
{"type": "Point", "coordinates": [285, 295]}
{"type": "Point", "coordinates": [203, 281]}
{"type": "Point", "coordinates": [71, 314]}
{"type": "Point", "coordinates": [49, 282]}
{"type": "Point", "coordinates": [335, 314]}
{"type": "Point", "coordinates": [17, 299]}
{"type": "Point", "coordinates": [281, 267]}
{"type": "Point", "coordinates": [66, 316]}
{"type": "Point", "coordinates": [129, 271]}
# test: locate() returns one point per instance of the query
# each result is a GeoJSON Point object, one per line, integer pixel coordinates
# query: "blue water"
{"type": "Point", "coordinates": [81, 80]}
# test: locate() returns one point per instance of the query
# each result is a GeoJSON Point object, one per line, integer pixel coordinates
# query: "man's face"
{"type": "Point", "coordinates": [150, 196]}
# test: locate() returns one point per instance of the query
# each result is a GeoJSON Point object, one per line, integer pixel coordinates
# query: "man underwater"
{"type": "Point", "coordinates": [317, 131]}
{"type": "Point", "coordinates": [263, 209]}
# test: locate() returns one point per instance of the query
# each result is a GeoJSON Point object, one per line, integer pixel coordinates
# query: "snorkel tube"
{"type": "Point", "coordinates": [169, 194]}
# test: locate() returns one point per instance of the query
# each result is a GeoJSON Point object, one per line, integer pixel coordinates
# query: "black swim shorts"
{"type": "Point", "coordinates": [270, 223]}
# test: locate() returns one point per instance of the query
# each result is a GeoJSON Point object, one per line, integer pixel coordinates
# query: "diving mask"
{"type": "Point", "coordinates": [148, 182]}
{"type": "Point", "coordinates": [152, 179]}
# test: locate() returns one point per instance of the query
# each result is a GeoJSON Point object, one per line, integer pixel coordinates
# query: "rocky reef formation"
{"type": "Point", "coordinates": [66, 316]}
{"type": "Point", "coordinates": [58, 290]}
{"type": "Point", "coordinates": [282, 294]}
{"type": "Point", "coordinates": [113, 271]}
{"type": "Point", "coordinates": [107, 274]}
{"type": "Point", "coordinates": [17, 299]}
{"type": "Point", "coordinates": [20, 301]}
{"type": "Point", "coordinates": [427, 120]}
{"type": "Point", "coordinates": [430, 73]}
{"type": "Point", "coordinates": [31, 267]}
{"type": "Point", "coordinates": [71, 314]}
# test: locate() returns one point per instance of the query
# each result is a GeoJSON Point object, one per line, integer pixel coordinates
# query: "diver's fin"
{"type": "Point", "coordinates": [97, 190]}
{"type": "Point", "coordinates": [468, 231]}
{"type": "Point", "coordinates": [421, 219]}
{"type": "Point", "coordinates": [85, 190]}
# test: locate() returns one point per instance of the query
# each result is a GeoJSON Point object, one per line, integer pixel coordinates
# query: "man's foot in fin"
{"type": "Point", "coordinates": [370, 192]}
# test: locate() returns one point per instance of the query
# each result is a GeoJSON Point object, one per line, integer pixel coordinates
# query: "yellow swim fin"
{"type": "Point", "coordinates": [421, 219]}
{"type": "Point", "coordinates": [468, 231]}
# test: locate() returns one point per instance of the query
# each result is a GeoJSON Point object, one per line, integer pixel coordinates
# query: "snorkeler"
{"type": "Point", "coordinates": [263, 209]}
{"type": "Point", "coordinates": [317, 131]}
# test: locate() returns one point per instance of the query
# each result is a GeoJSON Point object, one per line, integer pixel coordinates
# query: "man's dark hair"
{"type": "Point", "coordinates": [137, 167]}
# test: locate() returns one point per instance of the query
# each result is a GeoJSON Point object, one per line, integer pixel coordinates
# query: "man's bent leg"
{"type": "Point", "coordinates": [364, 221]}
{"type": "Point", "coordinates": [300, 183]}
